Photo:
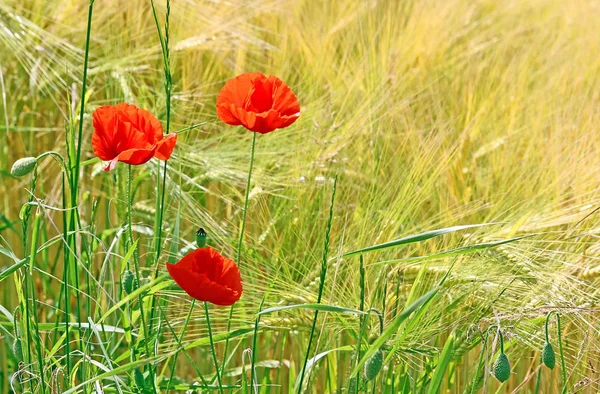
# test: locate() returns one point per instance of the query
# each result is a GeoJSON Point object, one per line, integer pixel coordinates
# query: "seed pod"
{"type": "Point", "coordinates": [373, 365]}
{"type": "Point", "coordinates": [130, 282]}
{"type": "Point", "coordinates": [548, 355]}
{"type": "Point", "coordinates": [23, 166]}
{"type": "Point", "coordinates": [502, 368]}
{"type": "Point", "coordinates": [18, 350]}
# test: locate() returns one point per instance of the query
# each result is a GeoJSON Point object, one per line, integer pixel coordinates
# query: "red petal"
{"type": "Point", "coordinates": [136, 156]}
{"type": "Point", "coordinates": [207, 276]}
{"type": "Point", "coordinates": [284, 100]}
{"type": "Point", "coordinates": [225, 114]}
{"type": "Point", "coordinates": [165, 146]}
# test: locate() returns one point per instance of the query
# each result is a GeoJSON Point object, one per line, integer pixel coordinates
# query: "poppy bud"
{"type": "Point", "coordinates": [373, 365]}
{"type": "Point", "coordinates": [548, 355]}
{"type": "Point", "coordinates": [502, 368]}
{"type": "Point", "coordinates": [201, 237]}
{"type": "Point", "coordinates": [23, 166]}
{"type": "Point", "coordinates": [18, 350]}
{"type": "Point", "coordinates": [130, 282]}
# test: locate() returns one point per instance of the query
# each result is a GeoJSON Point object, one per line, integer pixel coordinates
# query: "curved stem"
{"type": "Point", "coordinates": [212, 347]}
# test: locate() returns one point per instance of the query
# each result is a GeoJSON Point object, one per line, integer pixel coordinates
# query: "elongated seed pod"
{"type": "Point", "coordinates": [373, 365]}
{"type": "Point", "coordinates": [502, 368]}
{"type": "Point", "coordinates": [548, 355]}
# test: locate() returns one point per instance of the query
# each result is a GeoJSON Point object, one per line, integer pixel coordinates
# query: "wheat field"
{"type": "Point", "coordinates": [415, 116]}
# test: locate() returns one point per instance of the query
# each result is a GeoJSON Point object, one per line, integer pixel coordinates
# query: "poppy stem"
{"type": "Point", "coordinates": [212, 347]}
{"type": "Point", "coordinates": [241, 240]}
{"type": "Point", "coordinates": [321, 284]}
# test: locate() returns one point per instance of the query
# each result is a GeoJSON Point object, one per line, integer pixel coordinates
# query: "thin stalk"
{"type": "Point", "coordinates": [362, 319]}
{"type": "Point", "coordinates": [562, 356]}
{"type": "Point", "coordinates": [481, 354]}
{"type": "Point", "coordinates": [212, 347]}
{"type": "Point", "coordinates": [37, 338]}
{"type": "Point", "coordinates": [321, 283]}
{"type": "Point", "coordinates": [185, 324]}
{"type": "Point", "coordinates": [66, 280]}
{"type": "Point", "coordinates": [241, 239]}
{"type": "Point", "coordinates": [538, 379]}
{"type": "Point", "coordinates": [254, 346]}
{"type": "Point", "coordinates": [82, 105]}
{"type": "Point", "coordinates": [136, 266]}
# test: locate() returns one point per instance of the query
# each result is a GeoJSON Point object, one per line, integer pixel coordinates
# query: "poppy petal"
{"type": "Point", "coordinates": [207, 276]}
{"type": "Point", "coordinates": [136, 156]}
{"type": "Point", "coordinates": [165, 146]}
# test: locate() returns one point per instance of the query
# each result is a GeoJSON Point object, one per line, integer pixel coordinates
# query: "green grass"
{"type": "Point", "coordinates": [431, 114]}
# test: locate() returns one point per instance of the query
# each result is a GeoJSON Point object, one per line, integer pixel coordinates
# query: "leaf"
{"type": "Point", "coordinates": [440, 369]}
{"type": "Point", "coordinates": [4, 274]}
{"type": "Point", "coordinates": [415, 238]}
{"type": "Point", "coordinates": [315, 307]}
{"type": "Point", "coordinates": [458, 251]}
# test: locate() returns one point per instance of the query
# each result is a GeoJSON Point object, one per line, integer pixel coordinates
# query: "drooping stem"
{"type": "Point", "coordinates": [321, 284]}
{"type": "Point", "coordinates": [212, 348]}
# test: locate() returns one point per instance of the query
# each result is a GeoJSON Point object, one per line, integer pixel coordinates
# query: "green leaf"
{"type": "Point", "coordinates": [314, 307]}
{"type": "Point", "coordinates": [458, 251]}
{"type": "Point", "coordinates": [442, 365]}
{"type": "Point", "coordinates": [415, 238]}
{"type": "Point", "coordinates": [4, 274]}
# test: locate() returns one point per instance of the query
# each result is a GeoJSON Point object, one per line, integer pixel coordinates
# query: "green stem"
{"type": "Point", "coordinates": [254, 347]}
{"type": "Point", "coordinates": [212, 347]}
{"type": "Point", "coordinates": [362, 320]}
{"type": "Point", "coordinates": [241, 239]}
{"type": "Point", "coordinates": [136, 266]}
{"type": "Point", "coordinates": [37, 338]}
{"type": "Point", "coordinates": [562, 356]}
{"type": "Point", "coordinates": [83, 92]}
{"type": "Point", "coordinates": [539, 378]}
{"type": "Point", "coordinates": [321, 284]}
{"type": "Point", "coordinates": [179, 341]}
{"type": "Point", "coordinates": [481, 354]}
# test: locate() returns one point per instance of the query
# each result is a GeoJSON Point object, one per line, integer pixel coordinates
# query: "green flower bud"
{"type": "Point", "coordinates": [548, 355]}
{"type": "Point", "coordinates": [502, 368]}
{"type": "Point", "coordinates": [201, 237]}
{"type": "Point", "coordinates": [130, 282]}
{"type": "Point", "coordinates": [18, 350]}
{"type": "Point", "coordinates": [23, 166]}
{"type": "Point", "coordinates": [373, 365]}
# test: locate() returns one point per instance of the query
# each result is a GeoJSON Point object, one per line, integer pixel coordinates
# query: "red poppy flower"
{"type": "Point", "coordinates": [261, 103]}
{"type": "Point", "coordinates": [126, 133]}
{"type": "Point", "coordinates": [207, 276]}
